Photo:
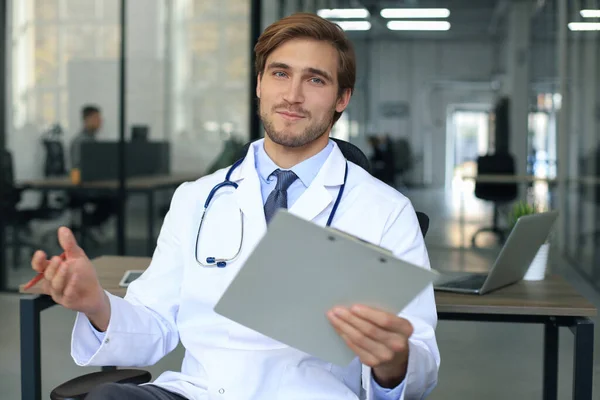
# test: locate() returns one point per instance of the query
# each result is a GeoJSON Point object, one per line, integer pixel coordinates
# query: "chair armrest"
{"type": "Point", "coordinates": [79, 387]}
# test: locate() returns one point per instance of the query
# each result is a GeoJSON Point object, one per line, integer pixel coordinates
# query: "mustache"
{"type": "Point", "coordinates": [286, 108]}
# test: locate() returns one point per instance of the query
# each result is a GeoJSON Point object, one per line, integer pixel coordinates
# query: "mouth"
{"type": "Point", "coordinates": [290, 115]}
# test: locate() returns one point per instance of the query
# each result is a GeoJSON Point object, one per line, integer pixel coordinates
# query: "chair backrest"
{"type": "Point", "coordinates": [11, 197]}
{"type": "Point", "coordinates": [423, 222]}
{"type": "Point", "coordinates": [496, 164]}
{"type": "Point", "coordinates": [355, 155]}
{"type": "Point", "coordinates": [54, 164]}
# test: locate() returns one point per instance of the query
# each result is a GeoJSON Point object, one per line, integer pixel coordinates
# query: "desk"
{"type": "Point", "coordinates": [110, 269]}
{"type": "Point", "coordinates": [552, 302]}
{"type": "Point", "coordinates": [507, 179]}
{"type": "Point", "coordinates": [147, 185]}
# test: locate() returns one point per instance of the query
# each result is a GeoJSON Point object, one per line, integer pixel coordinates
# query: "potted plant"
{"type": "Point", "coordinates": [537, 268]}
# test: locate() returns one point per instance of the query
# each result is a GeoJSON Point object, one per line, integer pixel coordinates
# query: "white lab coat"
{"type": "Point", "coordinates": [174, 299]}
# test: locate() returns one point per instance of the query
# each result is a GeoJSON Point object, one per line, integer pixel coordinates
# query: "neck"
{"type": "Point", "coordinates": [286, 157]}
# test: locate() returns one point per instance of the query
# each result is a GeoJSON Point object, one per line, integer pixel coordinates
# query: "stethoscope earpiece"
{"type": "Point", "coordinates": [212, 260]}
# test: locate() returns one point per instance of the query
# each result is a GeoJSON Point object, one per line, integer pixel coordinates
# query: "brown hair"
{"type": "Point", "coordinates": [306, 25]}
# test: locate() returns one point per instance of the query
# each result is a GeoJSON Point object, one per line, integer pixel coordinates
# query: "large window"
{"type": "Point", "coordinates": [212, 56]}
{"type": "Point", "coordinates": [47, 35]}
{"type": "Point", "coordinates": [187, 75]}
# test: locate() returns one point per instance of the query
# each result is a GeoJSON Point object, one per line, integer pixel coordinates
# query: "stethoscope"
{"type": "Point", "coordinates": [222, 262]}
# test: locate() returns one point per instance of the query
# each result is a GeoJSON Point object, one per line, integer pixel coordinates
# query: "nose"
{"type": "Point", "coordinates": [294, 94]}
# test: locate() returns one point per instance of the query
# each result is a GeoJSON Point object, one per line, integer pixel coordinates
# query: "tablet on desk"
{"type": "Point", "coordinates": [129, 277]}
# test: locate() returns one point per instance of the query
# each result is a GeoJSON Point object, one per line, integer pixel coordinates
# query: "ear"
{"type": "Point", "coordinates": [258, 85]}
{"type": "Point", "coordinates": [343, 100]}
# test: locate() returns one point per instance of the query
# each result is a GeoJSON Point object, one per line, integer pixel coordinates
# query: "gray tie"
{"type": "Point", "coordinates": [278, 197]}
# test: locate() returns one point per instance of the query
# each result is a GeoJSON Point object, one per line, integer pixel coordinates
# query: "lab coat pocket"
{"type": "Point", "coordinates": [313, 379]}
{"type": "Point", "coordinates": [201, 289]}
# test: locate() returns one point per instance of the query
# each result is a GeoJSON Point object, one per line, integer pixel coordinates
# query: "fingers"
{"type": "Point", "coordinates": [372, 344]}
{"type": "Point", "coordinates": [365, 356]}
{"type": "Point", "coordinates": [389, 322]}
{"type": "Point", "coordinates": [365, 327]}
{"type": "Point", "coordinates": [60, 279]}
{"type": "Point", "coordinates": [50, 270]}
{"type": "Point", "coordinates": [39, 261]}
{"type": "Point", "coordinates": [55, 286]}
{"type": "Point", "coordinates": [67, 242]}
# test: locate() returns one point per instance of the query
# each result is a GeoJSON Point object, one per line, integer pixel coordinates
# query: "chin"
{"type": "Point", "coordinates": [286, 139]}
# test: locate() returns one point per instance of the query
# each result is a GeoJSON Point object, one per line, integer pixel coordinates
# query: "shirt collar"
{"type": "Point", "coordinates": [306, 171]}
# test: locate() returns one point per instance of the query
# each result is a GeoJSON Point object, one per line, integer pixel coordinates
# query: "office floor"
{"type": "Point", "coordinates": [479, 360]}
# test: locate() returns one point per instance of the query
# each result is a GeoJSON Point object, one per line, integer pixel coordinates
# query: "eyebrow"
{"type": "Point", "coordinates": [316, 71]}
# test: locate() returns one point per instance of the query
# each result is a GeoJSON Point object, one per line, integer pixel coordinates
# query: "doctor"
{"type": "Point", "coordinates": [306, 75]}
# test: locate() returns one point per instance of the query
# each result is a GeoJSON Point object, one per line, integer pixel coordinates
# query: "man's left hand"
{"type": "Point", "coordinates": [378, 338]}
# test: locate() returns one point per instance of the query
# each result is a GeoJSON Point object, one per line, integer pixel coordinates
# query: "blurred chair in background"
{"type": "Point", "coordinates": [18, 219]}
{"type": "Point", "coordinates": [498, 193]}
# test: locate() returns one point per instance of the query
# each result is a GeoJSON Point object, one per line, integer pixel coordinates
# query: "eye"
{"type": "Point", "coordinates": [279, 74]}
{"type": "Point", "coordinates": [318, 81]}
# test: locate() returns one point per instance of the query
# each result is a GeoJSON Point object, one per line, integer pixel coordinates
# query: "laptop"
{"type": "Point", "coordinates": [523, 243]}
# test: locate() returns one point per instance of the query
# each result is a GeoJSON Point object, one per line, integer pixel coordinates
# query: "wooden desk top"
{"type": "Point", "coordinates": [110, 270]}
{"type": "Point", "coordinates": [551, 297]}
{"type": "Point", "coordinates": [507, 178]}
{"type": "Point", "coordinates": [137, 183]}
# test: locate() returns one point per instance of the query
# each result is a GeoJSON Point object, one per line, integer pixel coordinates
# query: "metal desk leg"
{"type": "Point", "coordinates": [31, 371]}
{"type": "Point", "coordinates": [550, 360]}
{"type": "Point", "coordinates": [583, 359]}
{"type": "Point", "coordinates": [150, 243]}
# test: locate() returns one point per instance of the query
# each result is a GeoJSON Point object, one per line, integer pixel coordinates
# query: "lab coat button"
{"type": "Point", "coordinates": [221, 390]}
{"type": "Point", "coordinates": [106, 340]}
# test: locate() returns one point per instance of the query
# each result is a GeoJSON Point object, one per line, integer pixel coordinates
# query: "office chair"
{"type": "Point", "coordinates": [498, 193]}
{"type": "Point", "coordinates": [78, 388]}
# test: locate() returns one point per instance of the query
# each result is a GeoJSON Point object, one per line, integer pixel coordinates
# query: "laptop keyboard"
{"type": "Point", "coordinates": [467, 282]}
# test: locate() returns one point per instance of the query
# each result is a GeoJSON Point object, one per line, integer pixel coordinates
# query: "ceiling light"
{"type": "Point", "coordinates": [418, 25]}
{"type": "Point", "coordinates": [590, 13]}
{"type": "Point", "coordinates": [584, 26]}
{"type": "Point", "coordinates": [415, 13]}
{"type": "Point", "coordinates": [354, 25]}
{"type": "Point", "coordinates": [343, 13]}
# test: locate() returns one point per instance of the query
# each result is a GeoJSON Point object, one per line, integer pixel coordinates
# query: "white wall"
{"type": "Point", "coordinates": [430, 76]}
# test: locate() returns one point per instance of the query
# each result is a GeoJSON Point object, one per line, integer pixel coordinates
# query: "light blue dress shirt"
{"type": "Point", "coordinates": [306, 171]}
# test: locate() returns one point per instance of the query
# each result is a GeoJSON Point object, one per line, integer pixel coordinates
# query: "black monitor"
{"type": "Point", "coordinates": [99, 160]}
{"type": "Point", "coordinates": [139, 133]}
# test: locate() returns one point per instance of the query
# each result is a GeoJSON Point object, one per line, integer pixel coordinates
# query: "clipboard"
{"type": "Point", "coordinates": [299, 271]}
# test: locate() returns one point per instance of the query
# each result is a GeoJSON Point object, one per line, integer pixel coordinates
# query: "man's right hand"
{"type": "Point", "coordinates": [72, 281]}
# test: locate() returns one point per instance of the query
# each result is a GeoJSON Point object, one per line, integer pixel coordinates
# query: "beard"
{"type": "Point", "coordinates": [288, 138]}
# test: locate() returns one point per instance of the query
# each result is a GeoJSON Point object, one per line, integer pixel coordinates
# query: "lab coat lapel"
{"type": "Point", "coordinates": [248, 194]}
{"type": "Point", "coordinates": [323, 189]}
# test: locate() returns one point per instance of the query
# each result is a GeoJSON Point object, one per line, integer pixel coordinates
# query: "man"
{"type": "Point", "coordinates": [306, 70]}
{"type": "Point", "coordinates": [92, 122]}
{"type": "Point", "coordinates": [104, 206]}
